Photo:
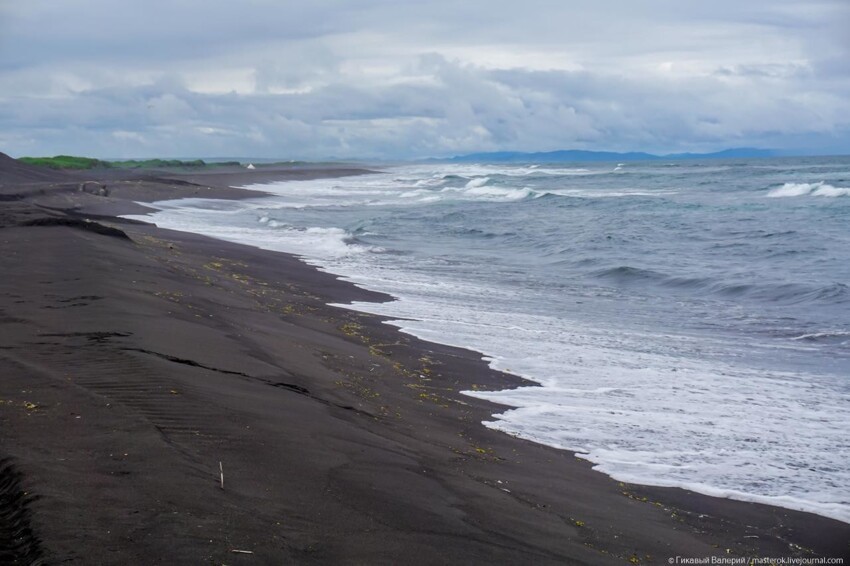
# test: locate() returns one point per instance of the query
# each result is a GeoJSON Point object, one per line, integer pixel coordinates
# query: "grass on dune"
{"type": "Point", "coordinates": [74, 162]}
{"type": "Point", "coordinates": [64, 162]}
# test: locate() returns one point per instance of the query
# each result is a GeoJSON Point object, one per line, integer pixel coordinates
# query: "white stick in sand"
{"type": "Point", "coordinates": [221, 474]}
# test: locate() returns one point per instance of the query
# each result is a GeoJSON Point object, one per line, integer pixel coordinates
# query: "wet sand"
{"type": "Point", "coordinates": [138, 364]}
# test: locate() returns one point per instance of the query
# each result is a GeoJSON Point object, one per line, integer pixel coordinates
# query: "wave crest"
{"type": "Point", "coordinates": [787, 293]}
{"type": "Point", "coordinates": [820, 189]}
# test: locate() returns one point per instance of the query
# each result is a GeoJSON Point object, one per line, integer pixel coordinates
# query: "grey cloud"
{"type": "Point", "coordinates": [298, 66]}
{"type": "Point", "coordinates": [380, 79]}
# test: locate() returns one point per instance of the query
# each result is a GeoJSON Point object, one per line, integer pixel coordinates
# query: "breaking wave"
{"type": "Point", "coordinates": [808, 189]}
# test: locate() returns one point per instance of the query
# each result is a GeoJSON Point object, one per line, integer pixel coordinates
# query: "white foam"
{"type": "Point", "coordinates": [417, 184]}
{"type": "Point", "coordinates": [498, 193]}
{"type": "Point", "coordinates": [819, 335]}
{"type": "Point", "coordinates": [385, 190]}
{"type": "Point", "coordinates": [820, 189]}
{"type": "Point", "coordinates": [316, 243]}
{"type": "Point", "coordinates": [648, 417]}
{"type": "Point", "coordinates": [477, 182]}
{"type": "Point", "coordinates": [416, 193]}
{"type": "Point", "coordinates": [792, 190]}
{"type": "Point", "coordinates": [830, 191]}
{"type": "Point", "coordinates": [484, 170]}
{"type": "Point", "coordinates": [608, 193]}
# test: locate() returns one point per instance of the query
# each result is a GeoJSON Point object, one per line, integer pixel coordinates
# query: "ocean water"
{"type": "Point", "coordinates": [689, 322]}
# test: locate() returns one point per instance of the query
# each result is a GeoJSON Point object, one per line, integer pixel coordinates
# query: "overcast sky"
{"type": "Point", "coordinates": [391, 79]}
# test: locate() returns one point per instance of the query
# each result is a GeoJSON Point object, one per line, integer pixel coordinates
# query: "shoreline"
{"type": "Point", "coordinates": [787, 502]}
{"type": "Point", "coordinates": [393, 461]}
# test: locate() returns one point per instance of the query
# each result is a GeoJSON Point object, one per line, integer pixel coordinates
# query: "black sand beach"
{"type": "Point", "coordinates": [138, 364]}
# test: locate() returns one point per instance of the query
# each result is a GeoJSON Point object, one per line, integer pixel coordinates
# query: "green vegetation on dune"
{"type": "Point", "coordinates": [72, 162]}
{"type": "Point", "coordinates": [64, 162]}
{"type": "Point", "coordinates": [154, 163]}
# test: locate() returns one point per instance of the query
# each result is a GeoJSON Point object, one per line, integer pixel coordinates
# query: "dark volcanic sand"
{"type": "Point", "coordinates": [134, 360]}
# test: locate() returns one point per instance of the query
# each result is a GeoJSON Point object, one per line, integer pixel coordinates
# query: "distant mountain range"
{"type": "Point", "coordinates": [582, 155]}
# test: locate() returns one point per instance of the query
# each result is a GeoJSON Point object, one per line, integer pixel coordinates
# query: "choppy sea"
{"type": "Point", "coordinates": [689, 321]}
